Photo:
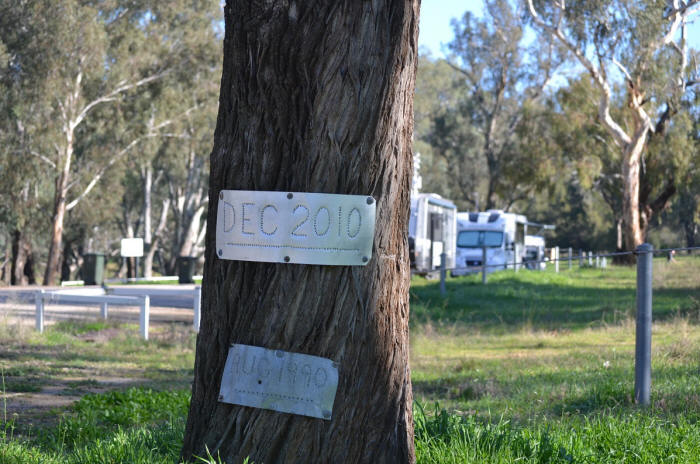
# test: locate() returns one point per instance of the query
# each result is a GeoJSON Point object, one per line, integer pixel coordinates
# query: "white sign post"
{"type": "Point", "coordinates": [132, 248]}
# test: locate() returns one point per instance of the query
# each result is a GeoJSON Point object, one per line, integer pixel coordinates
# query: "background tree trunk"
{"type": "Point", "coordinates": [314, 98]}
{"type": "Point", "coordinates": [22, 268]}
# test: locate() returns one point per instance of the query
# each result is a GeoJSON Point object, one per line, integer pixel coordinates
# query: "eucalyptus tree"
{"type": "Point", "coordinates": [450, 161]}
{"type": "Point", "coordinates": [314, 98]}
{"type": "Point", "coordinates": [87, 61]}
{"type": "Point", "coordinates": [22, 124]}
{"type": "Point", "coordinates": [179, 113]}
{"type": "Point", "coordinates": [643, 44]}
{"type": "Point", "coordinates": [502, 76]}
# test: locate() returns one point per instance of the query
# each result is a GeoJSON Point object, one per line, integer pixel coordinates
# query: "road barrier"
{"type": "Point", "coordinates": [43, 297]}
{"type": "Point", "coordinates": [128, 297]}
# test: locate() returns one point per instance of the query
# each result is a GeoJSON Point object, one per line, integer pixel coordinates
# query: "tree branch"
{"type": "Point", "coordinates": [684, 10]}
{"type": "Point", "coordinates": [620, 136]}
{"type": "Point", "coordinates": [111, 96]}
{"type": "Point", "coordinates": [152, 132]}
{"type": "Point", "coordinates": [96, 178]}
{"type": "Point", "coordinates": [43, 158]}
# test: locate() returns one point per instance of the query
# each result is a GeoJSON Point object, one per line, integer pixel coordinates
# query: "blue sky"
{"type": "Point", "coordinates": [436, 32]}
{"type": "Point", "coordinates": [435, 17]}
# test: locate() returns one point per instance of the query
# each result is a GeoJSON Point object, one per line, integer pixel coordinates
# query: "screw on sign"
{"type": "Point", "coordinates": [302, 228]}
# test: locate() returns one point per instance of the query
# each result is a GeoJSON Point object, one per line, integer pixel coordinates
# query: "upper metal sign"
{"type": "Point", "coordinates": [294, 227]}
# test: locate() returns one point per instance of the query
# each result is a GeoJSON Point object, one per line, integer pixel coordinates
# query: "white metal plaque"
{"type": "Point", "coordinates": [294, 227]}
{"type": "Point", "coordinates": [280, 381]}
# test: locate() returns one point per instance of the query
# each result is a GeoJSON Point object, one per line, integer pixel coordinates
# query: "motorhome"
{"type": "Point", "coordinates": [535, 252]}
{"type": "Point", "coordinates": [502, 234]}
{"type": "Point", "coordinates": [432, 229]}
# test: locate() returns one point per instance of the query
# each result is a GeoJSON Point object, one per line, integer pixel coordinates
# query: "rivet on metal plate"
{"type": "Point", "coordinates": [364, 259]}
{"type": "Point", "coordinates": [286, 259]}
{"type": "Point", "coordinates": [221, 252]}
{"type": "Point", "coordinates": [370, 200]}
{"type": "Point", "coordinates": [327, 414]}
{"type": "Point", "coordinates": [221, 195]}
{"type": "Point", "coordinates": [280, 354]}
{"type": "Point", "coordinates": [290, 196]}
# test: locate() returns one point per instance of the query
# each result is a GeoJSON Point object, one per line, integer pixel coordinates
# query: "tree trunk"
{"type": "Point", "coordinates": [52, 262]}
{"type": "Point", "coordinates": [631, 160]}
{"type": "Point", "coordinates": [189, 241]}
{"type": "Point", "coordinates": [150, 254]}
{"type": "Point", "coordinates": [22, 271]}
{"type": "Point", "coordinates": [314, 98]}
{"type": "Point", "coordinates": [147, 227]}
{"type": "Point", "coordinates": [59, 212]}
{"type": "Point", "coordinates": [7, 262]}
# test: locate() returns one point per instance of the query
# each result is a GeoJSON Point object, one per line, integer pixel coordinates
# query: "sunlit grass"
{"type": "Point", "coordinates": [534, 367]}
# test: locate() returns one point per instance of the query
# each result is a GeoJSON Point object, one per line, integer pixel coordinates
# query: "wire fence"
{"type": "Point", "coordinates": [645, 274]}
{"type": "Point", "coordinates": [583, 258]}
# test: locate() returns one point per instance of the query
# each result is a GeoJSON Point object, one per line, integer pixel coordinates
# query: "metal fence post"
{"type": "Point", "coordinates": [604, 263]}
{"type": "Point", "coordinates": [143, 320]}
{"type": "Point", "coordinates": [597, 261]}
{"type": "Point", "coordinates": [39, 302]}
{"type": "Point", "coordinates": [590, 258]}
{"type": "Point", "coordinates": [580, 258]}
{"type": "Point", "coordinates": [104, 310]}
{"type": "Point", "coordinates": [556, 260]}
{"type": "Point", "coordinates": [571, 257]}
{"type": "Point", "coordinates": [483, 265]}
{"type": "Point", "coordinates": [443, 273]}
{"type": "Point", "coordinates": [642, 353]}
{"type": "Point", "coordinates": [197, 304]}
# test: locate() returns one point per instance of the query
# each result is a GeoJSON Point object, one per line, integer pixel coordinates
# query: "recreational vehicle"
{"type": "Point", "coordinates": [503, 235]}
{"type": "Point", "coordinates": [431, 231]}
{"type": "Point", "coordinates": [535, 252]}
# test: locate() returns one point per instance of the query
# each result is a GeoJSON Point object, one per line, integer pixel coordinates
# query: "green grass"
{"type": "Point", "coordinates": [539, 367]}
{"type": "Point", "coordinates": [534, 367]}
{"type": "Point", "coordinates": [137, 426]}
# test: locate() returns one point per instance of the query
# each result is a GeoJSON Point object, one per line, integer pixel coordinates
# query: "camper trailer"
{"type": "Point", "coordinates": [503, 235]}
{"type": "Point", "coordinates": [535, 252]}
{"type": "Point", "coordinates": [431, 231]}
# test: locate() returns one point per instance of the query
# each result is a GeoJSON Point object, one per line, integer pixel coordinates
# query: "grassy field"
{"type": "Point", "coordinates": [534, 367]}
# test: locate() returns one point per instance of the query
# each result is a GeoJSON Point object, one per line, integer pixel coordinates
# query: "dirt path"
{"type": "Point", "coordinates": [41, 378]}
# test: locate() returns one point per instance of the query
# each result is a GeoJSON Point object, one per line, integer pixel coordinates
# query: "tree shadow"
{"type": "Point", "coordinates": [513, 303]}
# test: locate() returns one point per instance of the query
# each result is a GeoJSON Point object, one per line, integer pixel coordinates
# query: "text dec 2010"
{"type": "Point", "coordinates": [295, 227]}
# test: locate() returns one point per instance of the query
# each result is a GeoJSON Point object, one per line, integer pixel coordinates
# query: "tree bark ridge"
{"type": "Point", "coordinates": [314, 98]}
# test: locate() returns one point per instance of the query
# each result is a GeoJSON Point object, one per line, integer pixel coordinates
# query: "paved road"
{"type": "Point", "coordinates": [165, 296]}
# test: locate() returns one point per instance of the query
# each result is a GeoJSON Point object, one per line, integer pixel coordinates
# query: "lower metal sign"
{"type": "Point", "coordinates": [295, 227]}
{"type": "Point", "coordinates": [280, 381]}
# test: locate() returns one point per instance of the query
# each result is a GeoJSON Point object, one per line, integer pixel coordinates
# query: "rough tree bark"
{"type": "Point", "coordinates": [314, 98]}
{"type": "Point", "coordinates": [22, 266]}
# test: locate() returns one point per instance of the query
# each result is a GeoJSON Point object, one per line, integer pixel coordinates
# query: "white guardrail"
{"type": "Point", "coordinates": [98, 296]}
{"type": "Point", "coordinates": [130, 280]}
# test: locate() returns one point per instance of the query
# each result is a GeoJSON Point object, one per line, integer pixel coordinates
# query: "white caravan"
{"type": "Point", "coordinates": [432, 229]}
{"type": "Point", "coordinates": [503, 235]}
{"type": "Point", "coordinates": [534, 252]}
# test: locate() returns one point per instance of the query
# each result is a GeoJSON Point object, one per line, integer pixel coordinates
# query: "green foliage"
{"type": "Point", "coordinates": [443, 437]}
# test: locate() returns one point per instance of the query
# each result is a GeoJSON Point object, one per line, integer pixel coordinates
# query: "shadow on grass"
{"type": "Point", "coordinates": [513, 301]}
